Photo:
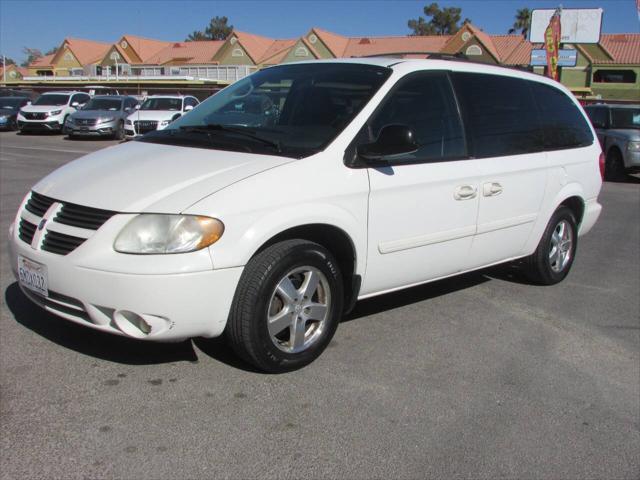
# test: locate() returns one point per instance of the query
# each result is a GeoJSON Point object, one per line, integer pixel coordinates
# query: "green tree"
{"type": "Point", "coordinates": [522, 23]}
{"type": "Point", "coordinates": [441, 21]}
{"type": "Point", "coordinates": [218, 29]}
{"type": "Point", "coordinates": [9, 61]}
{"type": "Point", "coordinates": [51, 51]}
{"type": "Point", "coordinates": [32, 55]}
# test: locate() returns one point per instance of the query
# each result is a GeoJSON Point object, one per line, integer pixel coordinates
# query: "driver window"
{"type": "Point", "coordinates": [424, 102]}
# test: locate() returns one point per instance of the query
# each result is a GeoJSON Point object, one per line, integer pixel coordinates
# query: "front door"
{"type": "Point", "coordinates": [423, 206]}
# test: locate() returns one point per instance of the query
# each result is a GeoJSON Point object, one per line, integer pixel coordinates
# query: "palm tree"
{"type": "Point", "coordinates": [523, 20]}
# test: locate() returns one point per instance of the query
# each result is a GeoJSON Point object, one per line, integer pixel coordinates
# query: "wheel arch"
{"type": "Point", "coordinates": [334, 239]}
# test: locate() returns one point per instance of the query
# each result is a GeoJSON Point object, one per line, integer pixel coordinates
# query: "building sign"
{"type": "Point", "coordinates": [566, 58]}
{"type": "Point", "coordinates": [579, 25]}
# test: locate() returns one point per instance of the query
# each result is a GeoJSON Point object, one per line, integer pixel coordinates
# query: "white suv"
{"type": "Point", "coordinates": [271, 209]}
{"type": "Point", "coordinates": [50, 111]}
{"type": "Point", "coordinates": [156, 112]}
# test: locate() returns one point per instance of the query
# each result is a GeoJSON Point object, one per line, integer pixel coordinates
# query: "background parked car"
{"type": "Point", "coordinates": [618, 129]}
{"type": "Point", "coordinates": [103, 115]}
{"type": "Point", "coordinates": [9, 107]}
{"type": "Point", "coordinates": [158, 111]}
{"type": "Point", "coordinates": [50, 111]}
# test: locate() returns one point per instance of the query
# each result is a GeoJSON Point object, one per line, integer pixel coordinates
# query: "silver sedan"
{"type": "Point", "coordinates": [103, 115]}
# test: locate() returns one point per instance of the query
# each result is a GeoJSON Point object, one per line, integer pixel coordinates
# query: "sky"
{"type": "Point", "coordinates": [43, 24]}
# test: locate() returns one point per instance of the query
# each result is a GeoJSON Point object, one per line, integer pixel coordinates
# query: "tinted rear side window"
{"type": "Point", "coordinates": [563, 124]}
{"type": "Point", "coordinates": [500, 115]}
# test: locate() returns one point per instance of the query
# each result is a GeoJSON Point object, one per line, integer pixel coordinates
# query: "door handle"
{"type": "Point", "coordinates": [491, 189]}
{"type": "Point", "coordinates": [465, 192]}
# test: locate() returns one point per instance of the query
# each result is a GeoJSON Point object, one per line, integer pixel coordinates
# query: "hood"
{"type": "Point", "coordinates": [144, 177]}
{"type": "Point", "coordinates": [42, 108]}
{"type": "Point", "coordinates": [96, 113]}
{"type": "Point", "coordinates": [7, 112]}
{"type": "Point", "coordinates": [154, 115]}
{"type": "Point", "coordinates": [631, 134]}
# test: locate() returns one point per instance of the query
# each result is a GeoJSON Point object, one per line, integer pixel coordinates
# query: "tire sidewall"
{"type": "Point", "coordinates": [267, 352]}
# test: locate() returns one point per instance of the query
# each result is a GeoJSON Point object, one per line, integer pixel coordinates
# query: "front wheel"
{"type": "Point", "coordinates": [119, 134]}
{"type": "Point", "coordinates": [552, 260]}
{"type": "Point", "coordinates": [287, 306]}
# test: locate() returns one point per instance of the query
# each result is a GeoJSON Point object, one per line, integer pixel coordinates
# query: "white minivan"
{"type": "Point", "coordinates": [268, 211]}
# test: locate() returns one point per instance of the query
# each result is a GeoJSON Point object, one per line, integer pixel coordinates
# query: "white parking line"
{"type": "Point", "coordinates": [46, 149]}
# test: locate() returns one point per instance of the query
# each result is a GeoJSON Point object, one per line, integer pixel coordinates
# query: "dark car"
{"type": "Point", "coordinates": [9, 107]}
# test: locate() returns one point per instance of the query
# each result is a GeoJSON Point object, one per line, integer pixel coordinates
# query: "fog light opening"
{"type": "Point", "coordinates": [132, 324]}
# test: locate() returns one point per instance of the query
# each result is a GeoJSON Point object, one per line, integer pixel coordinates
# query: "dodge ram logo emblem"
{"type": "Point", "coordinates": [42, 223]}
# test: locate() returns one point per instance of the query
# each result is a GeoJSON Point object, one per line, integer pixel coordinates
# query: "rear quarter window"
{"type": "Point", "coordinates": [563, 124]}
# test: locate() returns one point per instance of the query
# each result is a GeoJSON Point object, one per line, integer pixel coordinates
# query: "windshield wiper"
{"type": "Point", "coordinates": [217, 127]}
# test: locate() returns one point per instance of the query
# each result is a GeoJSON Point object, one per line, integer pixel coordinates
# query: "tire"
{"type": "Point", "coordinates": [614, 166]}
{"type": "Point", "coordinates": [119, 135]}
{"type": "Point", "coordinates": [553, 258]}
{"type": "Point", "coordinates": [261, 296]}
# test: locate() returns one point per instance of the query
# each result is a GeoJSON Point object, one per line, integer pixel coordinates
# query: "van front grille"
{"type": "Point", "coordinates": [60, 243]}
{"type": "Point", "coordinates": [26, 231]}
{"type": "Point", "coordinates": [82, 217]}
{"type": "Point", "coordinates": [38, 204]}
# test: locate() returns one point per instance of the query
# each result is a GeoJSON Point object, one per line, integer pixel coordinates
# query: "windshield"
{"type": "Point", "coordinates": [162, 104]}
{"type": "Point", "coordinates": [11, 103]}
{"type": "Point", "coordinates": [293, 110]}
{"type": "Point", "coordinates": [52, 99]}
{"type": "Point", "coordinates": [625, 118]}
{"type": "Point", "coordinates": [103, 104]}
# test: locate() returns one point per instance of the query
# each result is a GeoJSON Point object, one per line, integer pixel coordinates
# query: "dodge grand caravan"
{"type": "Point", "coordinates": [268, 211]}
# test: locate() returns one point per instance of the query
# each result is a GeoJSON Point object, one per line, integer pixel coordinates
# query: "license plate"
{"type": "Point", "coordinates": [33, 275]}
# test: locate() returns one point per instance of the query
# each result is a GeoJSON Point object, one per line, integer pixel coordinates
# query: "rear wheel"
{"type": "Point", "coordinates": [614, 166]}
{"type": "Point", "coordinates": [287, 306]}
{"type": "Point", "coordinates": [553, 258]}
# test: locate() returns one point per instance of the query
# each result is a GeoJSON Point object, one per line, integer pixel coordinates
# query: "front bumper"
{"type": "Point", "coordinates": [99, 130]}
{"type": "Point", "coordinates": [632, 160]}
{"type": "Point", "coordinates": [40, 125]}
{"type": "Point", "coordinates": [156, 307]}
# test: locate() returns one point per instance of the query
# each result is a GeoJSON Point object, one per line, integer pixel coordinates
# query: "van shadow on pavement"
{"type": "Point", "coordinates": [135, 352]}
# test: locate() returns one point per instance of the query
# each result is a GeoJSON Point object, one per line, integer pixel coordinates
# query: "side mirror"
{"type": "Point", "coordinates": [188, 108]}
{"type": "Point", "coordinates": [75, 104]}
{"type": "Point", "coordinates": [29, 102]}
{"type": "Point", "coordinates": [393, 140]}
{"type": "Point", "coordinates": [127, 109]}
{"type": "Point", "coordinates": [137, 107]}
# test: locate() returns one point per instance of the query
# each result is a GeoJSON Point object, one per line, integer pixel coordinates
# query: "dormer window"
{"type": "Point", "coordinates": [473, 50]}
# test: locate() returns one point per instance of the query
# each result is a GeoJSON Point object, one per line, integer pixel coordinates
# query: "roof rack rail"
{"type": "Point", "coordinates": [431, 55]}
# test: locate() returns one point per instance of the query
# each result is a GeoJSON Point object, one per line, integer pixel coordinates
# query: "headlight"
{"type": "Point", "coordinates": [156, 233]}
{"type": "Point", "coordinates": [106, 119]}
{"type": "Point", "coordinates": [128, 122]}
{"type": "Point", "coordinates": [164, 123]}
{"type": "Point", "coordinates": [70, 119]}
{"type": "Point", "coordinates": [633, 146]}
{"type": "Point", "coordinates": [55, 112]}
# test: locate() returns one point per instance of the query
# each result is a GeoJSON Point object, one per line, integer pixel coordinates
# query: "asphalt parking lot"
{"type": "Point", "coordinates": [480, 376]}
